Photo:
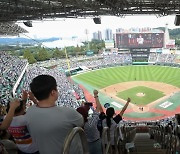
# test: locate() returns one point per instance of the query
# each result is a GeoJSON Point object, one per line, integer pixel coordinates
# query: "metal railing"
{"type": "Point", "coordinates": [70, 137]}
{"type": "Point", "coordinates": [116, 140]}
{"type": "Point", "coordinates": [106, 141]}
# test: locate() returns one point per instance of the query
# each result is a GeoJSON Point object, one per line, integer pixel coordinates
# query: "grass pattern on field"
{"type": "Point", "coordinates": [106, 77]}
{"type": "Point", "coordinates": [150, 95]}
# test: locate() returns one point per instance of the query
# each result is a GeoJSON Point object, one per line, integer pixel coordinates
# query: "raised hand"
{"type": "Point", "coordinates": [128, 100]}
{"type": "Point", "coordinates": [95, 92]}
{"type": "Point", "coordinates": [14, 104]}
{"type": "Point", "coordinates": [24, 95]}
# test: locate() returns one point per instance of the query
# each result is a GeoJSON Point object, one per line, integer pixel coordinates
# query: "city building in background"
{"type": "Point", "coordinates": [97, 35]}
{"type": "Point", "coordinates": [108, 34]}
{"type": "Point", "coordinates": [168, 43]}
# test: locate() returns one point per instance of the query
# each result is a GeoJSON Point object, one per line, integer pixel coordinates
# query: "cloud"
{"type": "Point", "coordinates": [62, 43]}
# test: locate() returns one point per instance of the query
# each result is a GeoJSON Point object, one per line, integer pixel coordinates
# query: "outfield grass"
{"type": "Point", "coordinates": [150, 95]}
{"type": "Point", "coordinates": [108, 76]}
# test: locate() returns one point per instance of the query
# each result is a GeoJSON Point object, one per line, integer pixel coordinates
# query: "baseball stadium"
{"type": "Point", "coordinates": [114, 95]}
{"type": "Point", "coordinates": [150, 79]}
{"type": "Point", "coordinates": [141, 68]}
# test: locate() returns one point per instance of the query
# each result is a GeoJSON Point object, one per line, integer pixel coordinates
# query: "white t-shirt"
{"type": "Point", "coordinates": [19, 131]}
{"type": "Point", "coordinates": [112, 129]}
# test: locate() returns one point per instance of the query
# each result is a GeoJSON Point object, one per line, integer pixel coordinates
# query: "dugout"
{"type": "Point", "coordinates": [89, 53]}
{"type": "Point", "coordinates": [76, 70]}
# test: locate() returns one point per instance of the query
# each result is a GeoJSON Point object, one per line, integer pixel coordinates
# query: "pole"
{"type": "Point", "coordinates": [67, 60]}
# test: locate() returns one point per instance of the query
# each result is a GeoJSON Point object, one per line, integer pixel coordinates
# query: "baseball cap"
{"type": "Point", "coordinates": [83, 110]}
{"type": "Point", "coordinates": [106, 105]}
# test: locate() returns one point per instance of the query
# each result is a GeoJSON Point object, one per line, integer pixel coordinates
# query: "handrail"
{"type": "Point", "coordinates": [106, 141]}
{"type": "Point", "coordinates": [18, 80]}
{"type": "Point", "coordinates": [70, 137]}
{"type": "Point", "coordinates": [116, 139]}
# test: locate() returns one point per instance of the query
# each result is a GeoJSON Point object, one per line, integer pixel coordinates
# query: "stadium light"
{"type": "Point", "coordinates": [177, 20]}
{"type": "Point", "coordinates": [97, 20]}
{"type": "Point", "coordinates": [28, 23]}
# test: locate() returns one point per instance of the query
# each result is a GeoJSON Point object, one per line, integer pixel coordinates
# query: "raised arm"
{"type": "Point", "coordinates": [98, 105]}
{"type": "Point", "coordinates": [24, 96]}
{"type": "Point", "coordinates": [7, 121]}
{"type": "Point", "coordinates": [125, 107]}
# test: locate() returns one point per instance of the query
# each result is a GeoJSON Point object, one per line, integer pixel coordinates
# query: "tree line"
{"type": "Point", "coordinates": [34, 54]}
{"type": "Point", "coordinates": [174, 34]}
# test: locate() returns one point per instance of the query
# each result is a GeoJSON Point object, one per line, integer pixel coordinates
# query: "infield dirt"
{"type": "Point", "coordinates": [167, 89]}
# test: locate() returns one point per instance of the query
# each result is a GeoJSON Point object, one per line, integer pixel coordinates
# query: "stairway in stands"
{"type": "Point", "coordinates": [145, 145]}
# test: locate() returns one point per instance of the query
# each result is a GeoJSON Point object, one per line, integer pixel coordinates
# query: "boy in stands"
{"type": "Point", "coordinates": [18, 129]}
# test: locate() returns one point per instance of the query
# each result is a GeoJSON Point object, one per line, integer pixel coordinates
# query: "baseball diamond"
{"type": "Point", "coordinates": [154, 90]}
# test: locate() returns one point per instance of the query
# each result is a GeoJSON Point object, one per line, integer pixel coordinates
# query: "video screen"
{"type": "Point", "coordinates": [140, 40]}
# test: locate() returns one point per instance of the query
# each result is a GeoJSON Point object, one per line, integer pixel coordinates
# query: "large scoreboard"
{"type": "Point", "coordinates": [139, 40]}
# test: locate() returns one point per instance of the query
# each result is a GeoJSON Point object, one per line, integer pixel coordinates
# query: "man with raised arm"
{"type": "Point", "coordinates": [90, 124]}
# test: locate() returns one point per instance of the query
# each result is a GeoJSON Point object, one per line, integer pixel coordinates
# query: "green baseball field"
{"type": "Point", "coordinates": [156, 88]}
{"type": "Point", "coordinates": [141, 95]}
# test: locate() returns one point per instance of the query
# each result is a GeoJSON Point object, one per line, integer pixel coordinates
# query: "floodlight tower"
{"type": "Point", "coordinates": [87, 39]}
{"type": "Point", "coordinates": [166, 35]}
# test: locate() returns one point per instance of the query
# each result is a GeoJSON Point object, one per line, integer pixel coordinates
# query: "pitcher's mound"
{"type": "Point", "coordinates": [140, 94]}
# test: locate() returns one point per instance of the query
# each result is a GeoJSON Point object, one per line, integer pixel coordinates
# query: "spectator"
{"type": "Point", "coordinates": [4, 143]}
{"type": "Point", "coordinates": [48, 124]}
{"type": "Point", "coordinates": [90, 125]}
{"type": "Point", "coordinates": [7, 121]}
{"type": "Point", "coordinates": [18, 129]}
{"type": "Point", "coordinates": [112, 122]}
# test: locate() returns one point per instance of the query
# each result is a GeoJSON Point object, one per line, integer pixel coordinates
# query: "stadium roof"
{"type": "Point", "coordinates": [15, 10]}
{"type": "Point", "coordinates": [10, 28]}
{"type": "Point", "coordinates": [26, 10]}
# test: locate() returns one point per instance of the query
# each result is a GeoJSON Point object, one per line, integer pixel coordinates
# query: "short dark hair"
{"type": "Point", "coordinates": [42, 85]}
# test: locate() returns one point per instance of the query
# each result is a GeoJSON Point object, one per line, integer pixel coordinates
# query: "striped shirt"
{"type": "Point", "coordinates": [90, 127]}
{"type": "Point", "coordinates": [19, 131]}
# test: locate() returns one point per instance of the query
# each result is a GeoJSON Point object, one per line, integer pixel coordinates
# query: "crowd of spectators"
{"type": "Point", "coordinates": [99, 61]}
{"type": "Point", "coordinates": [153, 57]}
{"type": "Point", "coordinates": [10, 69]}
{"type": "Point", "coordinates": [162, 58]}
{"type": "Point", "coordinates": [65, 95]}
{"type": "Point", "coordinates": [66, 89]}
{"type": "Point", "coordinates": [26, 126]}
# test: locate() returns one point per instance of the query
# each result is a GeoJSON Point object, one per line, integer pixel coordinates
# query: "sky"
{"type": "Point", "coordinates": [67, 28]}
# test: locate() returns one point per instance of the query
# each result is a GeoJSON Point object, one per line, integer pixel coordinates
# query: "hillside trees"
{"type": "Point", "coordinates": [29, 56]}
{"type": "Point", "coordinates": [33, 54]}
